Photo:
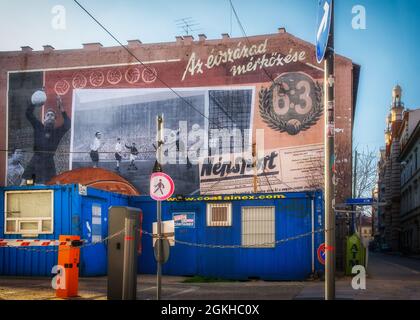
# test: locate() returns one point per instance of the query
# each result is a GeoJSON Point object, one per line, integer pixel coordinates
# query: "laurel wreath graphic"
{"type": "Point", "coordinates": [275, 122]}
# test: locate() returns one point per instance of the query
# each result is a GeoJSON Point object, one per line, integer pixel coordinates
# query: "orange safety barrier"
{"type": "Point", "coordinates": [68, 258]}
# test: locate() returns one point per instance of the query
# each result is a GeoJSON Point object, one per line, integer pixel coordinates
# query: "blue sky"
{"type": "Point", "coordinates": [387, 50]}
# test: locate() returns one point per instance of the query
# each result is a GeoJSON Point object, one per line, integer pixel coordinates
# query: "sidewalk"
{"type": "Point", "coordinates": [400, 254]}
{"type": "Point", "coordinates": [173, 288]}
{"type": "Point", "coordinates": [375, 290]}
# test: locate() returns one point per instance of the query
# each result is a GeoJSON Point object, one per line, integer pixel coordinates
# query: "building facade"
{"type": "Point", "coordinates": [265, 91]}
{"type": "Point", "coordinates": [380, 211]}
{"type": "Point", "coordinates": [392, 173]}
{"type": "Point", "coordinates": [410, 182]}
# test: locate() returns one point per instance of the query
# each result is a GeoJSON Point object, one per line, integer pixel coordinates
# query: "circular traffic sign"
{"type": "Point", "coordinates": [321, 253]}
{"type": "Point", "coordinates": [162, 186]}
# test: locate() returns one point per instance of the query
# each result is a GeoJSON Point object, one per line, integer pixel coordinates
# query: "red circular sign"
{"type": "Point", "coordinates": [321, 254]}
{"type": "Point", "coordinates": [162, 186]}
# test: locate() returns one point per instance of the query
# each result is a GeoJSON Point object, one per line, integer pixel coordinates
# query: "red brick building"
{"type": "Point", "coordinates": [255, 62]}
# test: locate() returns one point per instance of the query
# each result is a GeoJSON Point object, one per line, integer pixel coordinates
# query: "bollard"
{"type": "Point", "coordinates": [68, 258]}
{"type": "Point", "coordinates": [123, 252]}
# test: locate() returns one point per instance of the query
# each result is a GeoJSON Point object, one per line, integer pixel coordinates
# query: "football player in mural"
{"type": "Point", "coordinates": [15, 169]}
{"type": "Point", "coordinates": [118, 153]}
{"type": "Point", "coordinates": [133, 156]}
{"type": "Point", "coordinates": [47, 137]}
{"type": "Point", "coordinates": [94, 149]}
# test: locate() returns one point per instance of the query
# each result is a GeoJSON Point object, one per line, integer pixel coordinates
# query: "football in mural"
{"type": "Point", "coordinates": [38, 98]}
{"type": "Point", "coordinates": [292, 104]}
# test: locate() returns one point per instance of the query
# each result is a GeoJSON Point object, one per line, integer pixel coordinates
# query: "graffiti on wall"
{"type": "Point", "coordinates": [244, 59]}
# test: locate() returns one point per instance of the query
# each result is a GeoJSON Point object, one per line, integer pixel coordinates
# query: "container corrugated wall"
{"type": "Point", "coordinates": [72, 216]}
{"type": "Point", "coordinates": [287, 217]}
{"type": "Point", "coordinates": [291, 260]}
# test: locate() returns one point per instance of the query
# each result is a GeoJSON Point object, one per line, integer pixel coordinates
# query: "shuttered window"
{"type": "Point", "coordinates": [219, 214]}
{"type": "Point", "coordinates": [29, 212]}
{"type": "Point", "coordinates": [258, 227]}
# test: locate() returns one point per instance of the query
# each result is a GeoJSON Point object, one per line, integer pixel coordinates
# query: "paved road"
{"type": "Point", "coordinates": [389, 277]}
{"type": "Point", "coordinates": [393, 267]}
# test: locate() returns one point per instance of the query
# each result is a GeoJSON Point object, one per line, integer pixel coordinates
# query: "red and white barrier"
{"type": "Point", "coordinates": [32, 243]}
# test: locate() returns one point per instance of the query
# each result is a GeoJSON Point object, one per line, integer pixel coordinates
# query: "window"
{"type": "Point", "coordinates": [258, 227]}
{"type": "Point", "coordinates": [219, 214]}
{"type": "Point", "coordinates": [29, 212]}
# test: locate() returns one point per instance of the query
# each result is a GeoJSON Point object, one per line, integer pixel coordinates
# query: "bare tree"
{"type": "Point", "coordinates": [366, 173]}
{"type": "Point", "coordinates": [342, 169]}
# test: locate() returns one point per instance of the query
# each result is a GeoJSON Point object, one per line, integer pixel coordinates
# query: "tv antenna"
{"type": "Point", "coordinates": [188, 25]}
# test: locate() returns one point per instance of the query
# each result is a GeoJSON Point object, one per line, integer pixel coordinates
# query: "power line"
{"type": "Point", "coordinates": [157, 77]}
{"type": "Point", "coordinates": [141, 62]}
{"type": "Point", "coordinates": [268, 180]}
{"type": "Point", "coordinates": [246, 37]}
{"type": "Point", "coordinates": [68, 152]}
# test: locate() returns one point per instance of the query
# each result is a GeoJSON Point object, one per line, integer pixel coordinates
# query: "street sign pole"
{"type": "Point", "coordinates": [354, 192]}
{"type": "Point", "coordinates": [158, 168]}
{"type": "Point", "coordinates": [329, 164]}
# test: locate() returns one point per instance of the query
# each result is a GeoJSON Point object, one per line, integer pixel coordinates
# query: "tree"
{"type": "Point", "coordinates": [365, 175]}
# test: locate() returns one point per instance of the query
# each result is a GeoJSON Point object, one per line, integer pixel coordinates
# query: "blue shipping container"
{"type": "Point", "coordinates": [75, 213]}
{"type": "Point", "coordinates": [295, 214]}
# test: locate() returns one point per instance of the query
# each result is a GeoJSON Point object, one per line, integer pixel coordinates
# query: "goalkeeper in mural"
{"type": "Point", "coordinates": [133, 156]}
{"type": "Point", "coordinates": [47, 138]}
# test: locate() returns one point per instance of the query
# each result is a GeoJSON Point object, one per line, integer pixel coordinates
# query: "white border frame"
{"type": "Point", "coordinates": [59, 69]}
{"type": "Point", "coordinates": [183, 89]}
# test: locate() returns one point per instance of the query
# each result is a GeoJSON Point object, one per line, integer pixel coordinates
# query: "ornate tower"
{"type": "Point", "coordinates": [393, 169]}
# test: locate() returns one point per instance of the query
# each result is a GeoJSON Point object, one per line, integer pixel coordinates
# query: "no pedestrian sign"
{"type": "Point", "coordinates": [161, 186]}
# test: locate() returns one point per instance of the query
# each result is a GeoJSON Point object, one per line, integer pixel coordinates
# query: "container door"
{"type": "Point", "coordinates": [183, 258]}
{"type": "Point", "coordinates": [95, 225]}
{"type": "Point", "coordinates": [295, 255]}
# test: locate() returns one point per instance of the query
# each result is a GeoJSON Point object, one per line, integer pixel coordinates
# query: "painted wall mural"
{"type": "Point", "coordinates": [241, 119]}
{"type": "Point", "coordinates": [292, 104]}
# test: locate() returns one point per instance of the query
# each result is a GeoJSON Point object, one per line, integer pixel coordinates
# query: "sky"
{"type": "Point", "coordinates": [386, 50]}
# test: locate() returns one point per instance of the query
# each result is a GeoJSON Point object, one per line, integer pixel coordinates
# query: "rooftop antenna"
{"type": "Point", "coordinates": [188, 25]}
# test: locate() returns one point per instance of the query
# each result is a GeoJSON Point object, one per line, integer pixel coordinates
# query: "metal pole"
{"type": "Point", "coordinates": [254, 164]}
{"type": "Point", "coordinates": [159, 212]}
{"type": "Point", "coordinates": [329, 166]}
{"type": "Point", "coordinates": [353, 229]}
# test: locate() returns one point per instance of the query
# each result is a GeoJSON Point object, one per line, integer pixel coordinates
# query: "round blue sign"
{"type": "Point", "coordinates": [323, 28]}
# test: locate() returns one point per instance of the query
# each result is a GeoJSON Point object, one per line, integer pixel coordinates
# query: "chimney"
{"type": "Point", "coordinates": [134, 43]}
{"type": "Point", "coordinates": [188, 39]}
{"type": "Point", "coordinates": [281, 30]}
{"type": "Point", "coordinates": [202, 37]}
{"type": "Point", "coordinates": [179, 40]}
{"type": "Point", "coordinates": [92, 46]}
{"type": "Point", "coordinates": [48, 48]}
{"type": "Point", "coordinates": [225, 36]}
{"type": "Point", "coordinates": [26, 49]}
